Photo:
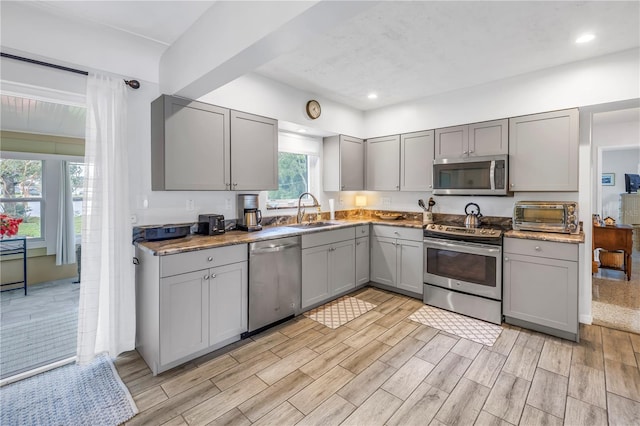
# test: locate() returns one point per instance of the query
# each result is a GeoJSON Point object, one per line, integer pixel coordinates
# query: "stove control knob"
{"type": "Point", "coordinates": [440, 227]}
{"type": "Point", "coordinates": [484, 231]}
{"type": "Point", "coordinates": [493, 231]}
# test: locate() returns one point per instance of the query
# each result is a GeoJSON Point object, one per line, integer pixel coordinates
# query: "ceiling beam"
{"type": "Point", "coordinates": [234, 38]}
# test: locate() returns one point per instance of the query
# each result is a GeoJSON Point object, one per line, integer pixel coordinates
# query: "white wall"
{"type": "Point", "coordinates": [618, 162]}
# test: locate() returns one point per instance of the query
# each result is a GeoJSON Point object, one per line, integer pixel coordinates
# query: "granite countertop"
{"type": "Point", "coordinates": [197, 242]}
{"type": "Point", "coordinates": [547, 236]}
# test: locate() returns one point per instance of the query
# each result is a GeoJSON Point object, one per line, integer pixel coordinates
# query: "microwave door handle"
{"type": "Point", "coordinates": [492, 175]}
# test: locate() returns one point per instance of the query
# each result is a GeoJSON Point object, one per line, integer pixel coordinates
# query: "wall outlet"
{"type": "Point", "coordinates": [341, 202]}
{"type": "Point", "coordinates": [191, 205]}
{"type": "Point", "coordinates": [386, 201]}
{"type": "Point", "coordinates": [133, 218]}
{"type": "Point", "coordinates": [227, 204]}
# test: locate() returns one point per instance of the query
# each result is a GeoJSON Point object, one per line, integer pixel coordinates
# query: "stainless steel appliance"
{"type": "Point", "coordinates": [463, 270]}
{"type": "Point", "coordinates": [546, 216]}
{"type": "Point", "coordinates": [485, 175]}
{"type": "Point", "coordinates": [249, 214]}
{"type": "Point", "coordinates": [210, 224]}
{"type": "Point", "coordinates": [275, 281]}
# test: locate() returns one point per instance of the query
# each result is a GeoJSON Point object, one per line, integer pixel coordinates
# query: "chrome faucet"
{"type": "Point", "coordinates": [300, 214]}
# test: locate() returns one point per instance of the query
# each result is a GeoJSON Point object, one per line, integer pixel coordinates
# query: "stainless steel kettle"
{"type": "Point", "coordinates": [473, 218]}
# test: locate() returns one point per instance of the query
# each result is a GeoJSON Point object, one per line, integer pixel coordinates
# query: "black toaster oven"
{"type": "Point", "coordinates": [210, 224]}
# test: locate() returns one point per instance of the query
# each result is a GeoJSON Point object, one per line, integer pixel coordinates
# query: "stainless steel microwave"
{"type": "Point", "coordinates": [486, 175]}
{"type": "Point", "coordinates": [546, 216]}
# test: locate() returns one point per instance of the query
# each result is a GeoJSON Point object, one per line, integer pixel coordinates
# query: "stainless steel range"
{"type": "Point", "coordinates": [463, 270]}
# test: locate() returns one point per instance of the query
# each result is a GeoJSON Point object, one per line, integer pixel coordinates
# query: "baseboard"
{"type": "Point", "coordinates": [585, 319]}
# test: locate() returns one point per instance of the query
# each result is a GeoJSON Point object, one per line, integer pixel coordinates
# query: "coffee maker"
{"type": "Point", "coordinates": [249, 215]}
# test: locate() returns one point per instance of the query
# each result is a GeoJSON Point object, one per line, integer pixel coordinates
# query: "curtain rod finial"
{"type": "Point", "coordinates": [134, 84]}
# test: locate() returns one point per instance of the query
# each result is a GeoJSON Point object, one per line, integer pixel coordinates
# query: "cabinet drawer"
{"type": "Point", "coordinates": [412, 234]}
{"type": "Point", "coordinates": [537, 248]}
{"type": "Point", "coordinates": [362, 231]}
{"type": "Point", "coordinates": [328, 237]}
{"type": "Point", "coordinates": [201, 259]}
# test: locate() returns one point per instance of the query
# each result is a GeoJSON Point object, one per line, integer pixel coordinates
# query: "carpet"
{"type": "Point", "coordinates": [36, 342]}
{"type": "Point", "coordinates": [340, 311]}
{"type": "Point", "coordinates": [90, 394]}
{"type": "Point", "coordinates": [460, 325]}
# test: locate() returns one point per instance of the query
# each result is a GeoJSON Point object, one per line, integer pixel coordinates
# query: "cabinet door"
{"type": "Point", "coordinates": [416, 161]}
{"type": "Point", "coordinates": [383, 260]}
{"type": "Point", "coordinates": [543, 151]}
{"type": "Point", "coordinates": [489, 138]}
{"type": "Point", "coordinates": [254, 152]}
{"type": "Point", "coordinates": [184, 315]}
{"type": "Point", "coordinates": [383, 164]}
{"type": "Point", "coordinates": [541, 291]}
{"type": "Point", "coordinates": [410, 273]}
{"type": "Point", "coordinates": [362, 261]}
{"type": "Point", "coordinates": [351, 164]}
{"type": "Point", "coordinates": [451, 142]}
{"type": "Point", "coordinates": [189, 145]}
{"type": "Point", "coordinates": [342, 267]}
{"type": "Point", "coordinates": [315, 275]}
{"type": "Point", "coordinates": [228, 301]}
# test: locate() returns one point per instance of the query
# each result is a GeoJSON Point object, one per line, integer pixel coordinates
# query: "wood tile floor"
{"type": "Point", "coordinates": [383, 369]}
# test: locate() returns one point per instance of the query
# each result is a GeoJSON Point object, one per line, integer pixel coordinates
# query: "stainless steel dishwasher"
{"type": "Point", "coordinates": [275, 281]}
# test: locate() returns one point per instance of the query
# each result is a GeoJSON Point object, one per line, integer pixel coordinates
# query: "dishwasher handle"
{"type": "Point", "coordinates": [273, 249]}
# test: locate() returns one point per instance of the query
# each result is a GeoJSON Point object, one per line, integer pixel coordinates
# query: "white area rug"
{"type": "Point", "coordinates": [340, 311]}
{"type": "Point", "coordinates": [460, 325]}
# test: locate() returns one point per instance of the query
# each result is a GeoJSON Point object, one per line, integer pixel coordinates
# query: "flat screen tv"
{"type": "Point", "coordinates": [631, 183]}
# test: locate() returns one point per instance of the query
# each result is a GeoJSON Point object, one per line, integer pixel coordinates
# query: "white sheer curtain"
{"type": "Point", "coordinates": [107, 292]}
{"type": "Point", "coordinates": [66, 241]}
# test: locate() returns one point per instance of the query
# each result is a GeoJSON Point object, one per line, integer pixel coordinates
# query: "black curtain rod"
{"type": "Point", "coordinates": [44, 64]}
{"type": "Point", "coordinates": [134, 84]}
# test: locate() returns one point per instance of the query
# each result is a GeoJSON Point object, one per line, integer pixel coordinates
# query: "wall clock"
{"type": "Point", "coordinates": [313, 109]}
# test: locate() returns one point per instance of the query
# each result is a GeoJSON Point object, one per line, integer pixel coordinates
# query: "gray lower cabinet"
{"type": "Point", "coordinates": [189, 304]}
{"type": "Point", "coordinates": [343, 163]}
{"type": "Point", "coordinates": [540, 286]}
{"type": "Point", "coordinates": [197, 146]}
{"type": "Point", "coordinates": [362, 255]}
{"type": "Point", "coordinates": [328, 265]}
{"type": "Point", "coordinates": [543, 152]}
{"type": "Point", "coordinates": [397, 258]}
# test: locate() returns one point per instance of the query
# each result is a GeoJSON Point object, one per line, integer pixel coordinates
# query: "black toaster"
{"type": "Point", "coordinates": [210, 224]}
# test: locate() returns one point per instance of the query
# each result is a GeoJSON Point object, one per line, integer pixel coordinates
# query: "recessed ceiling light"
{"type": "Point", "coordinates": [585, 38]}
{"type": "Point", "coordinates": [372, 96]}
{"type": "Point", "coordinates": [302, 130]}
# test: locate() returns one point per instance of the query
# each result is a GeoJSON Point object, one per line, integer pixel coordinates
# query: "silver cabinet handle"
{"type": "Point", "coordinates": [430, 186]}
{"type": "Point", "coordinates": [537, 248]}
{"type": "Point", "coordinates": [396, 232]}
{"type": "Point", "coordinates": [358, 243]}
{"type": "Point", "coordinates": [210, 259]}
{"type": "Point", "coordinates": [213, 276]}
{"type": "Point", "coordinates": [513, 184]}
{"type": "Point", "coordinates": [471, 151]}
{"type": "Point", "coordinates": [206, 277]}
{"type": "Point", "coordinates": [397, 186]}
{"type": "Point", "coordinates": [465, 152]}
{"type": "Point", "coordinates": [342, 187]}
{"type": "Point", "coordinates": [506, 259]}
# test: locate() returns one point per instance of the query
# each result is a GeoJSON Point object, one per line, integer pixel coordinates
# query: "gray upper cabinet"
{"type": "Point", "coordinates": [543, 152]}
{"type": "Point", "coordinates": [470, 140]}
{"type": "Point", "coordinates": [254, 152]}
{"type": "Point", "coordinates": [200, 147]}
{"type": "Point", "coordinates": [190, 145]}
{"type": "Point", "coordinates": [382, 170]}
{"type": "Point", "coordinates": [416, 161]}
{"type": "Point", "coordinates": [343, 167]}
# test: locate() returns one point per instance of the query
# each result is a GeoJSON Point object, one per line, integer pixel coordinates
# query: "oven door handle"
{"type": "Point", "coordinates": [476, 248]}
{"type": "Point", "coordinates": [492, 175]}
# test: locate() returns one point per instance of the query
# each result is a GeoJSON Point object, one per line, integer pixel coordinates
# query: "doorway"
{"type": "Point", "coordinates": [41, 183]}
{"type": "Point", "coordinates": [616, 152]}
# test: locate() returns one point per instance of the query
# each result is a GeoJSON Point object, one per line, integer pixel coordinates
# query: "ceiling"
{"type": "Point", "coordinates": [400, 50]}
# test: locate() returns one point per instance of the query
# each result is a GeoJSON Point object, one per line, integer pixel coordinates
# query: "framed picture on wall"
{"type": "Point", "coordinates": [608, 179]}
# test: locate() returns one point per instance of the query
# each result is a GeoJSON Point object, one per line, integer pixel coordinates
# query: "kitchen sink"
{"type": "Point", "coordinates": [311, 225]}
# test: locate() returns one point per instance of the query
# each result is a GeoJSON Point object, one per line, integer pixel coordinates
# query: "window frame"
{"type": "Point", "coordinates": [310, 146]}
